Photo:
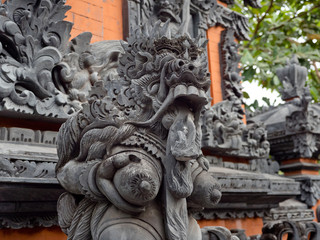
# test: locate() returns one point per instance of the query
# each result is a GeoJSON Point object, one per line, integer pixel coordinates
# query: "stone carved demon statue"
{"type": "Point", "coordinates": [131, 160]}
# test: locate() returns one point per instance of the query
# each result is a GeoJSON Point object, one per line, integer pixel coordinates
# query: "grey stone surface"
{"type": "Point", "coordinates": [134, 151]}
{"type": "Point", "coordinates": [217, 233]}
{"type": "Point", "coordinates": [295, 230]}
{"type": "Point", "coordinates": [244, 194]}
{"type": "Point", "coordinates": [32, 38]}
{"type": "Point", "coordinates": [225, 134]}
{"type": "Point", "coordinates": [256, 165]}
{"type": "Point", "coordinates": [43, 75]}
{"type": "Point", "coordinates": [195, 16]}
{"type": "Point", "coordinates": [28, 187]}
{"type": "Point", "coordinates": [229, 62]}
{"type": "Point", "coordinates": [290, 210]}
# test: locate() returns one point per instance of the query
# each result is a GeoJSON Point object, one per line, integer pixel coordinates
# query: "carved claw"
{"type": "Point", "coordinates": [108, 189]}
{"type": "Point", "coordinates": [203, 162]}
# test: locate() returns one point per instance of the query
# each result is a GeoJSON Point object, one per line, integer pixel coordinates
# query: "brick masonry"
{"type": "Point", "coordinates": [101, 17]}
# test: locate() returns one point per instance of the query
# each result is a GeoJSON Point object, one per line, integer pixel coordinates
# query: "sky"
{"type": "Point", "coordinates": [257, 93]}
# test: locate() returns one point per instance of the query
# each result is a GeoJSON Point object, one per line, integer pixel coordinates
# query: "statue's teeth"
{"type": "Point", "coordinates": [203, 94]}
{"type": "Point", "coordinates": [180, 90]}
{"type": "Point", "coordinates": [192, 90]}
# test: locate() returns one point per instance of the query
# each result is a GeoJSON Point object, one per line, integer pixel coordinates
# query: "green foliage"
{"type": "Point", "coordinates": [278, 30]}
{"type": "Point", "coordinates": [255, 105]}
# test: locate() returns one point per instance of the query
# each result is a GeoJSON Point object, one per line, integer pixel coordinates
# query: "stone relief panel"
{"type": "Point", "coordinates": [193, 16]}
{"type": "Point", "coordinates": [224, 132]}
{"type": "Point", "coordinates": [42, 73]}
{"type": "Point", "coordinates": [32, 38]}
{"type": "Point", "coordinates": [26, 153]}
{"type": "Point", "coordinates": [230, 71]}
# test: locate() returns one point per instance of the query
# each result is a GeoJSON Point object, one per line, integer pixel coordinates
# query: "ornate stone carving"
{"type": "Point", "coordinates": [229, 19]}
{"type": "Point", "coordinates": [229, 58]}
{"type": "Point", "coordinates": [28, 136]}
{"type": "Point", "coordinates": [293, 127]}
{"type": "Point", "coordinates": [240, 233]}
{"type": "Point", "coordinates": [293, 78]}
{"type": "Point", "coordinates": [217, 233]}
{"type": "Point", "coordinates": [295, 230]}
{"type": "Point", "coordinates": [290, 210]}
{"type": "Point", "coordinates": [192, 15]}
{"type": "Point", "coordinates": [32, 37]}
{"type": "Point", "coordinates": [29, 169]}
{"type": "Point", "coordinates": [28, 222]}
{"type": "Point", "coordinates": [27, 178]}
{"type": "Point", "coordinates": [42, 73]}
{"type": "Point", "coordinates": [134, 151]}
{"type": "Point", "coordinates": [310, 190]}
{"type": "Point", "coordinates": [251, 189]}
{"type": "Point", "coordinates": [224, 132]}
{"type": "Point", "coordinates": [229, 214]}
{"type": "Point", "coordinates": [26, 153]}
{"type": "Point", "coordinates": [256, 165]}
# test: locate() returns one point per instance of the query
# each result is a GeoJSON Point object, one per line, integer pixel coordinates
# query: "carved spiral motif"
{"type": "Point", "coordinates": [143, 187]}
{"type": "Point", "coordinates": [139, 182]}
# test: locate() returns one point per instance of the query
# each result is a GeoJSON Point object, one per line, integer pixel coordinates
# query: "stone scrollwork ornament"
{"type": "Point", "coordinates": [32, 35]}
{"type": "Point", "coordinates": [41, 72]}
{"type": "Point", "coordinates": [131, 159]}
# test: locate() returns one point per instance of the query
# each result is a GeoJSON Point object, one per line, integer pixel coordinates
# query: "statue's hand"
{"type": "Point", "coordinates": [109, 166]}
{"type": "Point", "coordinates": [203, 162]}
{"type": "Point", "coordinates": [104, 181]}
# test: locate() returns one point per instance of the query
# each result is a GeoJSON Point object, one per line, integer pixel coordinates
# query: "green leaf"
{"type": "Point", "coordinates": [245, 95]}
{"type": "Point", "coordinates": [289, 27]}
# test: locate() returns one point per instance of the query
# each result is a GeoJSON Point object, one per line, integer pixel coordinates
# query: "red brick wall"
{"type": "Point", "coordinates": [213, 36]}
{"type": "Point", "coordinates": [101, 17]}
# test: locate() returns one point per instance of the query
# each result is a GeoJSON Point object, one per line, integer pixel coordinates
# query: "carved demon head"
{"type": "Point", "coordinates": [169, 10]}
{"type": "Point", "coordinates": [162, 71]}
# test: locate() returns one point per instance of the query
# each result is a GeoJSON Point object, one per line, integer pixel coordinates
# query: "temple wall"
{"type": "Point", "coordinates": [53, 233]}
{"type": "Point", "coordinates": [102, 18]}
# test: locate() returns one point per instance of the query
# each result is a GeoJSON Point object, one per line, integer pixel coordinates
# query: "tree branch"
{"type": "Point", "coordinates": [317, 70]}
{"type": "Point", "coordinates": [294, 17]}
{"type": "Point", "coordinates": [255, 33]}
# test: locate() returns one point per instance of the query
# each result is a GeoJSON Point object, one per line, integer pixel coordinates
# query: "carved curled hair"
{"type": "Point", "coordinates": [79, 145]}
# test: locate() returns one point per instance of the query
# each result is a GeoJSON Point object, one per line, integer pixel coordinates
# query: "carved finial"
{"type": "Point", "coordinates": [293, 78]}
